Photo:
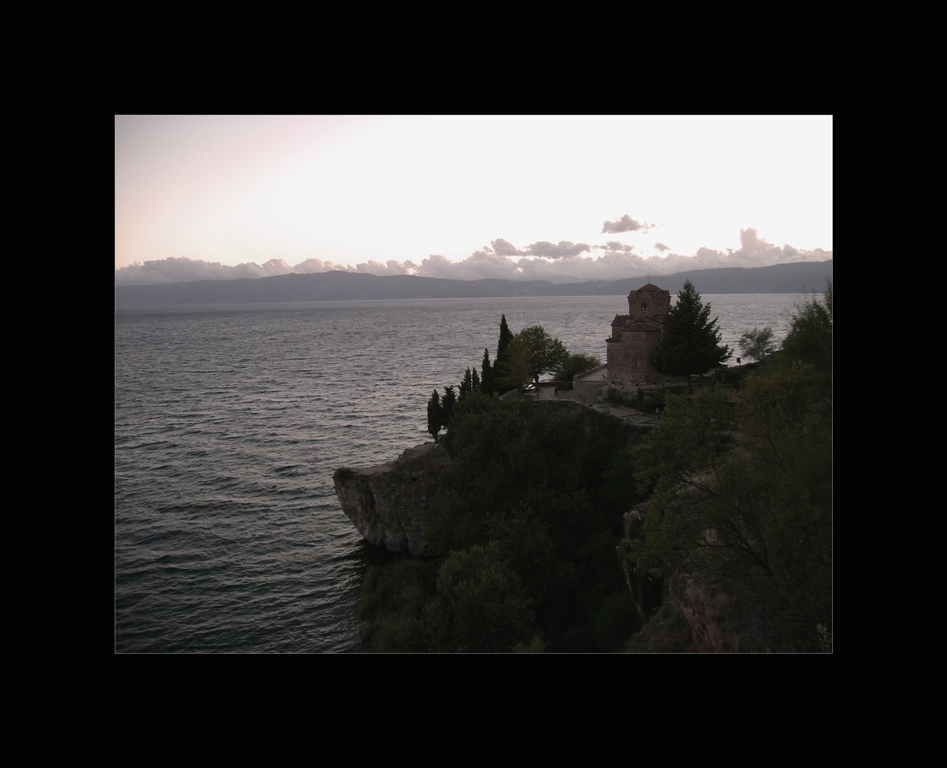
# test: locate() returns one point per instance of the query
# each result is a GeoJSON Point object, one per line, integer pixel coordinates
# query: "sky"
{"type": "Point", "coordinates": [467, 197]}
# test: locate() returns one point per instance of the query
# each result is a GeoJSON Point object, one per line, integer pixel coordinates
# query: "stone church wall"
{"type": "Point", "coordinates": [628, 358]}
{"type": "Point", "coordinates": [634, 336]}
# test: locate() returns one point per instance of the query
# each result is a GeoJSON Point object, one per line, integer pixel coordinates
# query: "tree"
{"type": "Point", "coordinates": [506, 336]}
{"type": "Point", "coordinates": [573, 366]}
{"type": "Point", "coordinates": [447, 406]}
{"type": "Point", "coordinates": [758, 343]}
{"type": "Point", "coordinates": [434, 415]}
{"type": "Point", "coordinates": [481, 606]}
{"type": "Point", "coordinates": [466, 384]}
{"type": "Point", "coordinates": [755, 512]}
{"type": "Point", "coordinates": [513, 369]}
{"type": "Point", "coordinates": [810, 337]}
{"type": "Point", "coordinates": [544, 354]}
{"type": "Point", "coordinates": [690, 344]}
{"type": "Point", "coordinates": [487, 383]}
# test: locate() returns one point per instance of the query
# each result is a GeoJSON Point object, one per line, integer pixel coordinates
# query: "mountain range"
{"type": "Point", "coordinates": [799, 277]}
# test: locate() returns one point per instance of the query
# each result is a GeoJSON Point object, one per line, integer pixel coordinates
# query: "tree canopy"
{"type": "Point", "coordinates": [513, 369]}
{"type": "Point", "coordinates": [523, 528]}
{"type": "Point", "coordinates": [544, 353]}
{"type": "Point", "coordinates": [758, 343]}
{"type": "Point", "coordinates": [573, 365]}
{"type": "Point", "coordinates": [529, 354]}
{"type": "Point", "coordinates": [810, 337]}
{"type": "Point", "coordinates": [755, 512]}
{"type": "Point", "coordinates": [690, 344]}
{"type": "Point", "coordinates": [435, 415]}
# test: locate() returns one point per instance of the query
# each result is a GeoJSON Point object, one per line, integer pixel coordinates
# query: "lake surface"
{"type": "Point", "coordinates": [229, 422]}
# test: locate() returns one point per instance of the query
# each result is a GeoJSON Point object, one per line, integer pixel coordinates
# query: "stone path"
{"type": "Point", "coordinates": [630, 415]}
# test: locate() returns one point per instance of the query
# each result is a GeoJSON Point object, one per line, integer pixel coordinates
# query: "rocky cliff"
{"type": "Point", "coordinates": [694, 610]}
{"type": "Point", "coordinates": [389, 503]}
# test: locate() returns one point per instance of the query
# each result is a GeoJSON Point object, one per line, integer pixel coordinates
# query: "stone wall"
{"type": "Point", "coordinates": [627, 356]}
{"type": "Point", "coordinates": [587, 385]}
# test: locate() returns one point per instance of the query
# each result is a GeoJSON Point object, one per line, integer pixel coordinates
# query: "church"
{"type": "Point", "coordinates": [634, 336]}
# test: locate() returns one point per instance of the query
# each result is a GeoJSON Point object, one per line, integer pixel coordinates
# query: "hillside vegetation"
{"type": "Point", "coordinates": [527, 522]}
{"type": "Point", "coordinates": [753, 515]}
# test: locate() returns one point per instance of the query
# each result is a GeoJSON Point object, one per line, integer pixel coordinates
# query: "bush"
{"type": "Point", "coordinates": [735, 377]}
{"type": "Point", "coordinates": [615, 397]}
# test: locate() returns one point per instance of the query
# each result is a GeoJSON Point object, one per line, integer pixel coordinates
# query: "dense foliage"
{"type": "Point", "coordinates": [756, 511]}
{"type": "Point", "coordinates": [527, 518]}
{"type": "Point", "coordinates": [525, 528]}
{"type": "Point", "coordinates": [810, 337]}
{"type": "Point", "coordinates": [520, 358]}
{"type": "Point", "coordinates": [690, 344]}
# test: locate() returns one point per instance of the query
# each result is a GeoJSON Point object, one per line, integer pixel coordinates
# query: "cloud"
{"type": "Point", "coordinates": [564, 250]}
{"type": "Point", "coordinates": [624, 224]}
{"type": "Point", "coordinates": [173, 270]}
{"type": "Point", "coordinates": [480, 265]}
{"type": "Point", "coordinates": [310, 266]}
{"type": "Point", "coordinates": [277, 267]}
{"type": "Point", "coordinates": [541, 260]}
{"type": "Point", "coordinates": [754, 252]}
{"type": "Point", "coordinates": [185, 270]}
{"type": "Point", "coordinates": [505, 248]}
{"type": "Point", "coordinates": [614, 245]}
{"type": "Point", "coordinates": [392, 267]}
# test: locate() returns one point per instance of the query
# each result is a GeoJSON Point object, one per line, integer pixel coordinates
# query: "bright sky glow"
{"type": "Point", "coordinates": [355, 189]}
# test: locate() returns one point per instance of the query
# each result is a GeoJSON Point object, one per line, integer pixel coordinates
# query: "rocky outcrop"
{"type": "Point", "coordinates": [707, 604]}
{"type": "Point", "coordinates": [389, 503]}
{"type": "Point", "coordinates": [705, 610]}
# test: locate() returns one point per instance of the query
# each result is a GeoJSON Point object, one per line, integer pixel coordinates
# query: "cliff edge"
{"type": "Point", "coordinates": [389, 503]}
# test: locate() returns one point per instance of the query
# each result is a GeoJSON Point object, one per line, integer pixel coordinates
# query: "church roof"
{"type": "Point", "coordinates": [644, 324]}
{"type": "Point", "coordinates": [650, 288]}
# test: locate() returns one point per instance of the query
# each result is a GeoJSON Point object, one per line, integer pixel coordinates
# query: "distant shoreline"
{"type": "Point", "coordinates": [800, 277]}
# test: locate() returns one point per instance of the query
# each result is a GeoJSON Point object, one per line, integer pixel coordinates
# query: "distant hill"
{"type": "Point", "coordinates": [801, 277]}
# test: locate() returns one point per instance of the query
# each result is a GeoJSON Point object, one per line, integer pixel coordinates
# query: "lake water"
{"type": "Point", "coordinates": [229, 422]}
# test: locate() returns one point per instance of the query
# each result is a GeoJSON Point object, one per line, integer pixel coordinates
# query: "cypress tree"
{"type": "Point", "coordinates": [506, 337]}
{"type": "Point", "coordinates": [447, 406]}
{"type": "Point", "coordinates": [487, 385]}
{"type": "Point", "coordinates": [466, 386]}
{"type": "Point", "coordinates": [434, 415]}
